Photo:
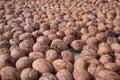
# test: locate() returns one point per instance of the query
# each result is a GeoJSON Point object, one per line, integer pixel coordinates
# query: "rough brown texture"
{"type": "Point", "coordinates": [62, 64]}
{"type": "Point", "coordinates": [36, 55]}
{"type": "Point", "coordinates": [9, 73]}
{"type": "Point", "coordinates": [42, 66]}
{"type": "Point", "coordinates": [29, 74]}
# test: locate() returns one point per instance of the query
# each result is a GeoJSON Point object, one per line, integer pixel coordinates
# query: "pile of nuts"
{"type": "Point", "coordinates": [38, 39]}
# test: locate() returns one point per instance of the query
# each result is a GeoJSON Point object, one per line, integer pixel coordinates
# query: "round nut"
{"type": "Point", "coordinates": [68, 39]}
{"type": "Point", "coordinates": [43, 39]}
{"type": "Point", "coordinates": [36, 55]}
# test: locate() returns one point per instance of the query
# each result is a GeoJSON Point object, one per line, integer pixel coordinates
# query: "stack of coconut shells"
{"type": "Point", "coordinates": [40, 38]}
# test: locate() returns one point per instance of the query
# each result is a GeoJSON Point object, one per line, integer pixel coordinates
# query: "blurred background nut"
{"type": "Point", "coordinates": [68, 39]}
{"type": "Point", "coordinates": [4, 51]}
{"type": "Point", "coordinates": [9, 73]}
{"type": "Point", "coordinates": [29, 74]}
{"type": "Point", "coordinates": [42, 66]}
{"type": "Point", "coordinates": [64, 75]}
{"type": "Point", "coordinates": [25, 35]}
{"type": "Point", "coordinates": [115, 47]}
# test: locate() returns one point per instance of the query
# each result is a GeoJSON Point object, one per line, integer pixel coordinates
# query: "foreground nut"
{"type": "Point", "coordinates": [81, 74]}
{"type": "Point", "coordinates": [23, 62]}
{"type": "Point", "coordinates": [25, 35]}
{"type": "Point", "coordinates": [115, 47]}
{"type": "Point", "coordinates": [48, 76]}
{"type": "Point", "coordinates": [29, 74]}
{"type": "Point", "coordinates": [9, 73]}
{"type": "Point", "coordinates": [16, 53]}
{"type": "Point", "coordinates": [64, 75]}
{"type": "Point", "coordinates": [36, 55]}
{"type": "Point", "coordinates": [51, 55]}
{"type": "Point", "coordinates": [43, 39]}
{"type": "Point", "coordinates": [62, 64]}
{"type": "Point", "coordinates": [68, 39]}
{"type": "Point", "coordinates": [59, 45]}
{"type": "Point", "coordinates": [67, 55]}
{"type": "Point", "coordinates": [110, 75]}
{"type": "Point", "coordinates": [42, 65]}
{"type": "Point", "coordinates": [77, 45]}
{"type": "Point", "coordinates": [40, 47]}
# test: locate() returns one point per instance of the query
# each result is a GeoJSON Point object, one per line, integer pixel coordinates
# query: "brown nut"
{"type": "Point", "coordinates": [8, 35]}
{"type": "Point", "coordinates": [17, 34]}
{"type": "Point", "coordinates": [29, 74]}
{"type": "Point", "coordinates": [36, 34]}
{"type": "Point", "coordinates": [4, 51]}
{"type": "Point", "coordinates": [64, 75]}
{"type": "Point", "coordinates": [62, 64]}
{"type": "Point", "coordinates": [117, 58]}
{"type": "Point", "coordinates": [16, 53]}
{"type": "Point", "coordinates": [68, 39]}
{"type": "Point", "coordinates": [67, 55]}
{"type": "Point", "coordinates": [14, 41]}
{"type": "Point", "coordinates": [60, 34]}
{"type": "Point", "coordinates": [48, 76]}
{"type": "Point", "coordinates": [52, 36]}
{"type": "Point", "coordinates": [4, 44]}
{"type": "Point", "coordinates": [27, 44]}
{"type": "Point", "coordinates": [47, 32]}
{"type": "Point", "coordinates": [51, 55]}
{"type": "Point", "coordinates": [103, 48]}
{"type": "Point", "coordinates": [77, 45]}
{"type": "Point", "coordinates": [110, 75]}
{"type": "Point", "coordinates": [100, 36]}
{"type": "Point", "coordinates": [92, 40]}
{"type": "Point", "coordinates": [111, 40]}
{"type": "Point", "coordinates": [42, 66]}
{"type": "Point", "coordinates": [9, 73]}
{"type": "Point", "coordinates": [81, 74]}
{"type": "Point", "coordinates": [59, 45]}
{"type": "Point", "coordinates": [43, 39]}
{"type": "Point", "coordinates": [6, 60]}
{"type": "Point", "coordinates": [36, 55]}
{"type": "Point", "coordinates": [115, 47]}
{"type": "Point", "coordinates": [111, 66]}
{"type": "Point", "coordinates": [25, 36]}
{"type": "Point", "coordinates": [70, 31]}
{"type": "Point", "coordinates": [40, 47]}
{"type": "Point", "coordinates": [105, 58]}
{"type": "Point", "coordinates": [23, 62]}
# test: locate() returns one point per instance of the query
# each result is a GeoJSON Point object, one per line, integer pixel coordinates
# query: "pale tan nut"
{"type": "Point", "coordinates": [68, 39]}
{"type": "Point", "coordinates": [90, 47]}
{"type": "Point", "coordinates": [4, 44]}
{"type": "Point", "coordinates": [101, 27]}
{"type": "Point", "coordinates": [36, 55]}
{"type": "Point", "coordinates": [17, 53]}
{"type": "Point", "coordinates": [104, 48]}
{"type": "Point", "coordinates": [110, 75]}
{"type": "Point", "coordinates": [43, 39]}
{"type": "Point", "coordinates": [8, 35]}
{"type": "Point", "coordinates": [84, 30]}
{"type": "Point", "coordinates": [14, 41]}
{"type": "Point", "coordinates": [84, 37]}
{"type": "Point", "coordinates": [36, 34]}
{"type": "Point", "coordinates": [92, 40]}
{"type": "Point", "coordinates": [111, 66]}
{"type": "Point", "coordinates": [4, 51]}
{"type": "Point", "coordinates": [51, 55]}
{"type": "Point", "coordinates": [29, 74]}
{"type": "Point", "coordinates": [9, 73]}
{"type": "Point", "coordinates": [98, 78]}
{"type": "Point", "coordinates": [58, 45]}
{"type": "Point", "coordinates": [81, 74]}
{"type": "Point", "coordinates": [115, 47]}
{"type": "Point", "coordinates": [52, 36]}
{"type": "Point", "coordinates": [64, 75]}
{"type": "Point", "coordinates": [40, 47]}
{"type": "Point", "coordinates": [77, 45]}
{"type": "Point", "coordinates": [25, 36]}
{"type": "Point", "coordinates": [117, 30]}
{"type": "Point", "coordinates": [6, 60]}
{"type": "Point", "coordinates": [117, 58]}
{"type": "Point", "coordinates": [93, 30]}
{"type": "Point", "coordinates": [62, 64]}
{"type": "Point", "coordinates": [67, 55]}
{"type": "Point", "coordinates": [27, 44]}
{"type": "Point", "coordinates": [15, 29]}
{"type": "Point", "coordinates": [70, 31]}
{"type": "Point", "coordinates": [28, 28]}
{"type": "Point", "coordinates": [111, 40]}
{"type": "Point", "coordinates": [42, 66]}
{"type": "Point", "coordinates": [48, 76]}
{"type": "Point", "coordinates": [60, 34]}
{"type": "Point", "coordinates": [106, 58]}
{"type": "Point", "coordinates": [24, 62]}
{"type": "Point", "coordinates": [81, 63]}
{"type": "Point", "coordinates": [13, 46]}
